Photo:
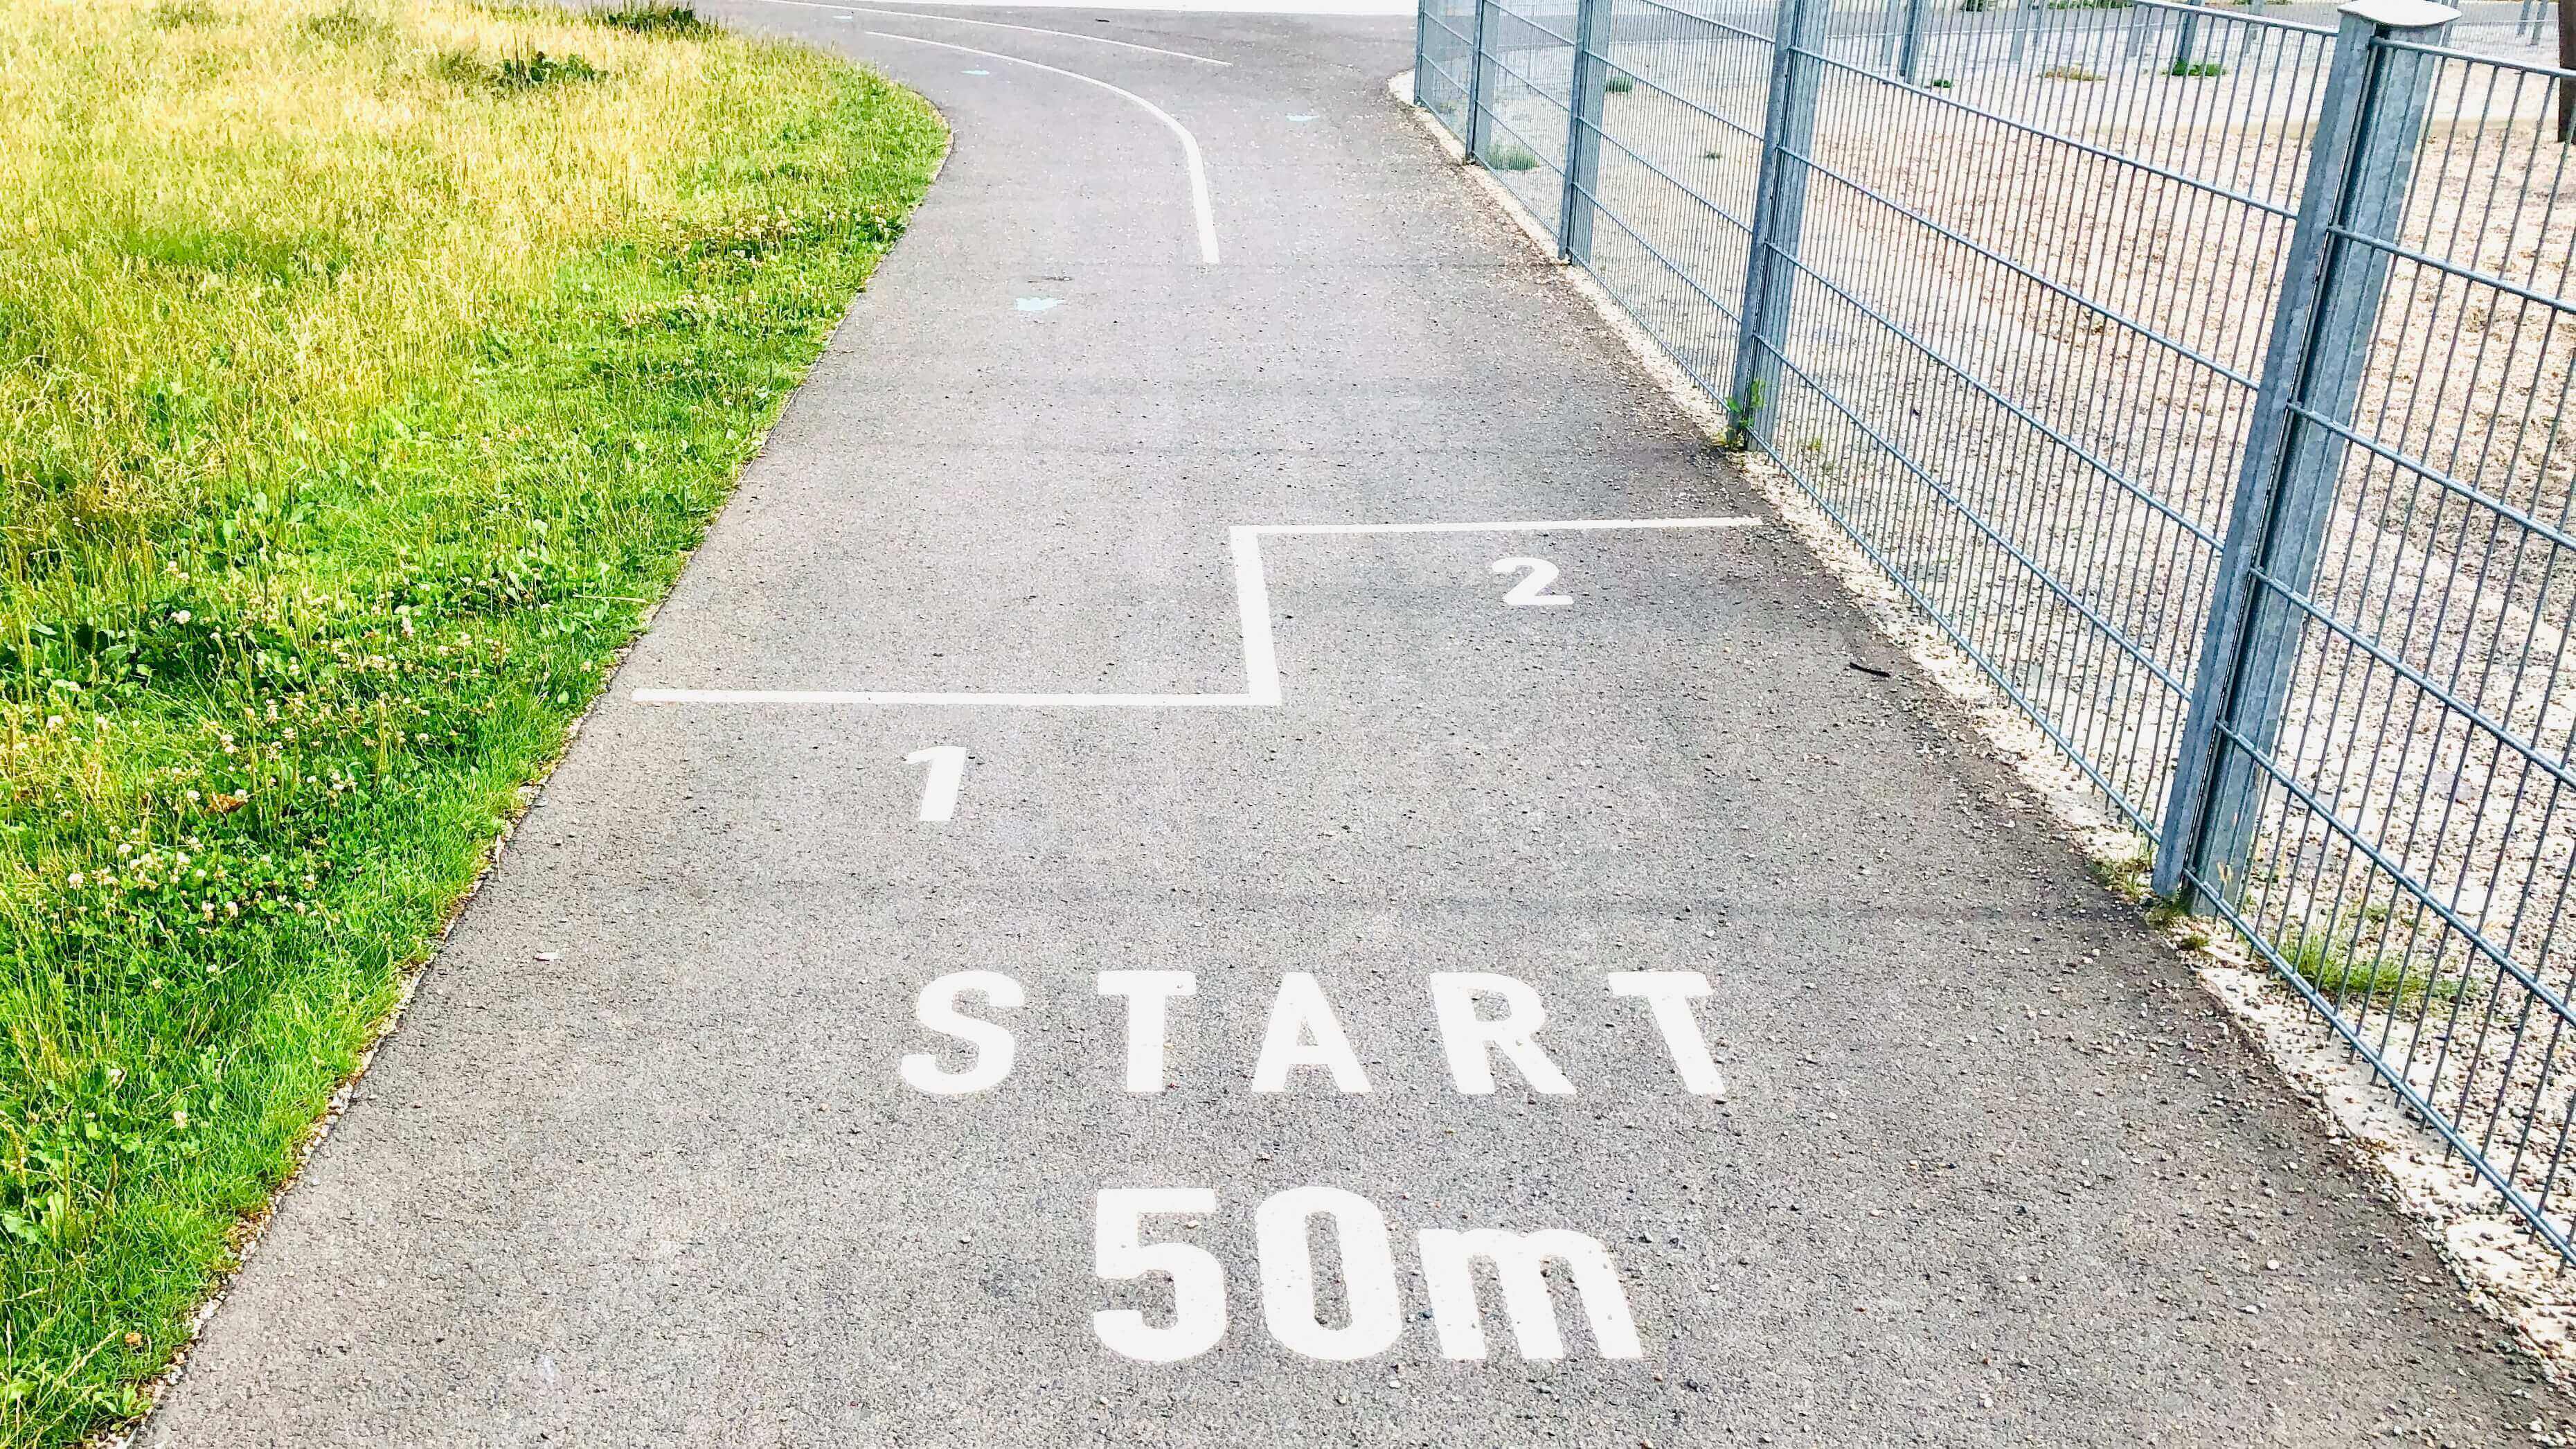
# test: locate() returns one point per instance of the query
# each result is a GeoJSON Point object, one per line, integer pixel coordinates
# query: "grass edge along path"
{"type": "Point", "coordinates": [280, 653]}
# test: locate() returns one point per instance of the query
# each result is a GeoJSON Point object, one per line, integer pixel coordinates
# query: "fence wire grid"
{"type": "Point", "coordinates": [2201, 373]}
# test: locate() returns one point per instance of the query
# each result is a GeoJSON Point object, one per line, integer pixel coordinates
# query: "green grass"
{"type": "Point", "coordinates": [649, 19]}
{"type": "Point", "coordinates": [2353, 978]}
{"type": "Point", "coordinates": [2126, 873]}
{"type": "Point", "coordinates": [355, 400]}
{"type": "Point", "coordinates": [2196, 68]}
{"type": "Point", "coordinates": [1619, 85]}
{"type": "Point", "coordinates": [1512, 158]}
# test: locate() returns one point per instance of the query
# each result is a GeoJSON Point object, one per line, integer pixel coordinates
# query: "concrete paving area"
{"type": "Point", "coordinates": [1182, 1080]}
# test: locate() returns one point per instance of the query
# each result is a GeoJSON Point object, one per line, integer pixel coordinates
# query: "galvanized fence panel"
{"type": "Point", "coordinates": [1679, 132]}
{"type": "Point", "coordinates": [2389, 816]}
{"type": "Point", "coordinates": [1444, 46]}
{"type": "Point", "coordinates": [2023, 398]}
{"type": "Point", "coordinates": [1526, 98]}
{"type": "Point", "coordinates": [2202, 376]}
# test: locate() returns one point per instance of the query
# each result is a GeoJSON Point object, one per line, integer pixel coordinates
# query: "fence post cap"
{"type": "Point", "coordinates": [2402, 14]}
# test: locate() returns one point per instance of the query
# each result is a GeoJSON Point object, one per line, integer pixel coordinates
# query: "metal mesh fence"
{"type": "Point", "coordinates": [2035, 433]}
{"type": "Point", "coordinates": [2394, 761]}
{"type": "Point", "coordinates": [1444, 59]}
{"type": "Point", "coordinates": [2201, 374]}
{"type": "Point", "coordinates": [1679, 143]}
{"type": "Point", "coordinates": [1526, 97]}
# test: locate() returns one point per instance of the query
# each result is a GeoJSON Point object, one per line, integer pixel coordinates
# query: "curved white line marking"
{"type": "Point", "coordinates": [1001, 25]}
{"type": "Point", "coordinates": [1189, 143]}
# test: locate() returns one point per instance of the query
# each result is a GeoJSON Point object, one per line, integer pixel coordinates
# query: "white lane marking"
{"type": "Point", "coordinates": [1001, 25]}
{"type": "Point", "coordinates": [1120, 1253]}
{"type": "Point", "coordinates": [1531, 592]}
{"type": "Point", "coordinates": [939, 786]}
{"type": "Point", "coordinates": [1039, 304]}
{"type": "Point", "coordinates": [1557, 525]}
{"type": "Point", "coordinates": [1252, 604]}
{"type": "Point", "coordinates": [995, 1047]}
{"type": "Point", "coordinates": [986, 698]}
{"type": "Point", "coordinates": [1364, 1262]}
{"type": "Point", "coordinates": [1519, 1263]}
{"type": "Point", "coordinates": [1189, 144]}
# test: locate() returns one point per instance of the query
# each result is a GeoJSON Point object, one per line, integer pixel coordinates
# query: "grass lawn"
{"type": "Point", "coordinates": [366, 368]}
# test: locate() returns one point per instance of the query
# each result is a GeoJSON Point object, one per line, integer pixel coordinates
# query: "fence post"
{"type": "Point", "coordinates": [1583, 128]}
{"type": "Point", "coordinates": [1779, 214]}
{"type": "Point", "coordinates": [1475, 137]}
{"type": "Point", "coordinates": [2567, 61]}
{"type": "Point", "coordinates": [1909, 53]}
{"type": "Point", "coordinates": [2190, 28]}
{"type": "Point", "coordinates": [2360, 161]}
{"type": "Point", "coordinates": [2026, 14]}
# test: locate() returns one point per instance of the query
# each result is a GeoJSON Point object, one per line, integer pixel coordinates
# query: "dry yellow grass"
{"type": "Point", "coordinates": [239, 146]}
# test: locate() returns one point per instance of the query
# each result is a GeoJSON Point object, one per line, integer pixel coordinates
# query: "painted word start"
{"type": "Point", "coordinates": [1485, 1019]}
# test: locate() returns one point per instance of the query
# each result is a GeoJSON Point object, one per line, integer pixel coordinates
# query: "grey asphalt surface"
{"type": "Point", "coordinates": [639, 1168]}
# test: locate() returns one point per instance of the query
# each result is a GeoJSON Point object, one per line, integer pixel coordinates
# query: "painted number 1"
{"type": "Point", "coordinates": [1531, 592]}
{"type": "Point", "coordinates": [939, 789]}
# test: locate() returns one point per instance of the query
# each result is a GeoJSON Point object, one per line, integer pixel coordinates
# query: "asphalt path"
{"type": "Point", "coordinates": [747, 1106]}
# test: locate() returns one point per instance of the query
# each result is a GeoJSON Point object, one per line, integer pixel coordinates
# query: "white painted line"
{"type": "Point", "coordinates": [999, 25]}
{"type": "Point", "coordinates": [1189, 143]}
{"type": "Point", "coordinates": [1252, 603]}
{"type": "Point", "coordinates": [1562, 525]}
{"type": "Point", "coordinates": [1006, 701]}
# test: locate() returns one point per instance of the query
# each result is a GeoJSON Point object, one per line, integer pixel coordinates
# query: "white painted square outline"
{"type": "Point", "coordinates": [1252, 602]}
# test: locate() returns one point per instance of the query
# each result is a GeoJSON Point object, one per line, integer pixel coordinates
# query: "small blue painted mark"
{"type": "Point", "coordinates": [1039, 304]}
{"type": "Point", "coordinates": [979, 72]}
{"type": "Point", "coordinates": [1301, 120]}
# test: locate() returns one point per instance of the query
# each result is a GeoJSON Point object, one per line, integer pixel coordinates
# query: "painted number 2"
{"type": "Point", "coordinates": [939, 789]}
{"type": "Point", "coordinates": [1531, 592]}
